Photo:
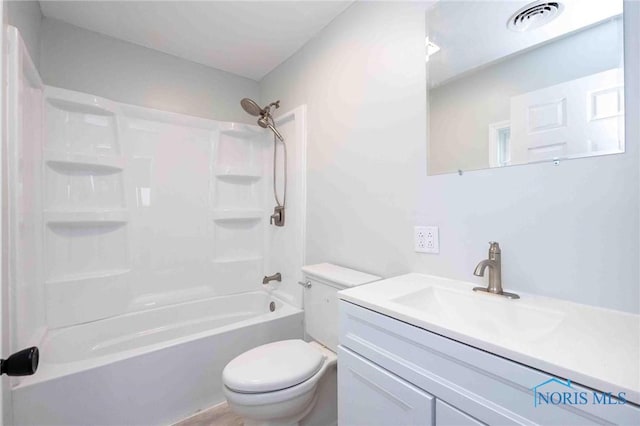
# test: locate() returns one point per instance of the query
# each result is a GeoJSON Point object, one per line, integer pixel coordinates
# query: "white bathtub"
{"type": "Point", "coordinates": [147, 368]}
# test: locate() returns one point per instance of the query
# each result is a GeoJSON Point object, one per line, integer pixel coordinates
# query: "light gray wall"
{"type": "Point", "coordinates": [27, 17]}
{"type": "Point", "coordinates": [461, 110]}
{"type": "Point", "coordinates": [76, 59]}
{"type": "Point", "coordinates": [569, 231]}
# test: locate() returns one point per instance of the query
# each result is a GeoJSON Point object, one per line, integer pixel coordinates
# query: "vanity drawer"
{"type": "Point", "coordinates": [487, 387]}
{"type": "Point", "coordinates": [371, 396]}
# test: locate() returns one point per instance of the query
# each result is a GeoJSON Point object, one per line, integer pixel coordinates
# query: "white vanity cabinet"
{"type": "Point", "coordinates": [393, 373]}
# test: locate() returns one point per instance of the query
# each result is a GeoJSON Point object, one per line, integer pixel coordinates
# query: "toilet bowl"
{"type": "Point", "coordinates": [269, 401]}
{"type": "Point", "coordinates": [293, 382]}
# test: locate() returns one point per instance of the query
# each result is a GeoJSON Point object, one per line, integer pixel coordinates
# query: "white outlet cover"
{"type": "Point", "coordinates": [426, 239]}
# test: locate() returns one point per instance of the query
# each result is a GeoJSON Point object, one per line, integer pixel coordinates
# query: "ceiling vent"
{"type": "Point", "coordinates": [535, 15]}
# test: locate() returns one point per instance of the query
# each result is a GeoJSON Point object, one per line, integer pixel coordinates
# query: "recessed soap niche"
{"type": "Point", "coordinates": [238, 240]}
{"type": "Point", "coordinates": [80, 128]}
{"type": "Point", "coordinates": [237, 194]}
{"type": "Point", "coordinates": [84, 248]}
{"type": "Point", "coordinates": [239, 153]}
{"type": "Point", "coordinates": [82, 186]}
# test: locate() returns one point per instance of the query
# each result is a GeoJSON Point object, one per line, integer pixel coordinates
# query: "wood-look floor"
{"type": "Point", "coordinates": [220, 415]}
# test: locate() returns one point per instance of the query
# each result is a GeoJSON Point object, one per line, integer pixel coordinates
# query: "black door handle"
{"type": "Point", "coordinates": [22, 363]}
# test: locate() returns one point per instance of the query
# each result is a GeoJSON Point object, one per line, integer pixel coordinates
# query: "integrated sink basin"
{"type": "Point", "coordinates": [595, 347]}
{"type": "Point", "coordinates": [483, 313]}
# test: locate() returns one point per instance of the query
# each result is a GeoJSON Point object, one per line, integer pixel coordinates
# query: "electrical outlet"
{"type": "Point", "coordinates": [426, 239]}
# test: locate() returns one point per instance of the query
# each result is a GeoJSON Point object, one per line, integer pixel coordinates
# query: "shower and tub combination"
{"type": "Point", "coordinates": [139, 242]}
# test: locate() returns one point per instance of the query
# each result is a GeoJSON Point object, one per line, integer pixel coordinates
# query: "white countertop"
{"type": "Point", "coordinates": [595, 347]}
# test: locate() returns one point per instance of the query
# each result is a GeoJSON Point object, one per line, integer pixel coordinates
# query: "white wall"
{"type": "Point", "coordinates": [76, 59]}
{"type": "Point", "coordinates": [569, 231]}
{"type": "Point", "coordinates": [462, 109]}
{"type": "Point", "coordinates": [27, 17]}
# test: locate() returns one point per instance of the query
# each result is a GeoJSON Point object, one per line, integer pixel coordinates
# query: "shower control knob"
{"type": "Point", "coordinates": [22, 363]}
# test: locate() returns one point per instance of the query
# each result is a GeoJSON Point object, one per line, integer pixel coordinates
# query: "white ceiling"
{"type": "Point", "coordinates": [248, 38]}
{"type": "Point", "coordinates": [474, 33]}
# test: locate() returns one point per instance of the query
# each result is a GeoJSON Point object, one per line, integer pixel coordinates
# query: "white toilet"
{"type": "Point", "coordinates": [293, 382]}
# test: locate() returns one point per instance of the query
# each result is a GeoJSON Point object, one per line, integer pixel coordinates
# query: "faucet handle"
{"type": "Point", "coordinates": [494, 247]}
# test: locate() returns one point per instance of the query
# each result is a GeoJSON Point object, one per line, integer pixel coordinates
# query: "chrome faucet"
{"type": "Point", "coordinates": [275, 277]}
{"type": "Point", "coordinates": [494, 263]}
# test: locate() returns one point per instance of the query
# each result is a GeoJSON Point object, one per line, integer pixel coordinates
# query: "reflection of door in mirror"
{"type": "Point", "coordinates": [507, 98]}
{"type": "Point", "coordinates": [577, 118]}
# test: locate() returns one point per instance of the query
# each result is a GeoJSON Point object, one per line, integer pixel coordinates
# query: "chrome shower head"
{"type": "Point", "coordinates": [250, 106]}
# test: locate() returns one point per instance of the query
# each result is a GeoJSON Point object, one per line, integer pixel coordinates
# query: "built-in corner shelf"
{"type": "Point", "coordinates": [239, 130]}
{"type": "Point", "coordinates": [228, 215]}
{"type": "Point", "coordinates": [80, 217]}
{"type": "Point", "coordinates": [78, 161]}
{"type": "Point", "coordinates": [94, 108]}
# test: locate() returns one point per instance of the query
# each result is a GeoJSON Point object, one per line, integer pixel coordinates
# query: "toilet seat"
{"type": "Point", "coordinates": [297, 391]}
{"type": "Point", "coordinates": [272, 367]}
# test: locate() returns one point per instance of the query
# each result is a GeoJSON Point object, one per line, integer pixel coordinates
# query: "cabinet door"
{"type": "Point", "coordinates": [446, 415]}
{"type": "Point", "coordinates": [371, 396]}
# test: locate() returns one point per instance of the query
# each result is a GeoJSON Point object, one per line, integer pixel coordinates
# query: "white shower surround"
{"type": "Point", "coordinates": [139, 240]}
{"type": "Point", "coordinates": [128, 192]}
{"type": "Point", "coordinates": [144, 208]}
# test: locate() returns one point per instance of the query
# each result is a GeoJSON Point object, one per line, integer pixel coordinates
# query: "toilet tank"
{"type": "Point", "coordinates": [321, 299]}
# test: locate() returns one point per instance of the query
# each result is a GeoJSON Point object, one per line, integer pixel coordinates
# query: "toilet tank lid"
{"type": "Point", "coordinates": [340, 275]}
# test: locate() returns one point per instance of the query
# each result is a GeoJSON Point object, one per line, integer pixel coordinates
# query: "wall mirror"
{"type": "Point", "coordinates": [515, 82]}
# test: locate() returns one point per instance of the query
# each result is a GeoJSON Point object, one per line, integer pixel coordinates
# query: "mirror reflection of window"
{"type": "Point", "coordinates": [559, 86]}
